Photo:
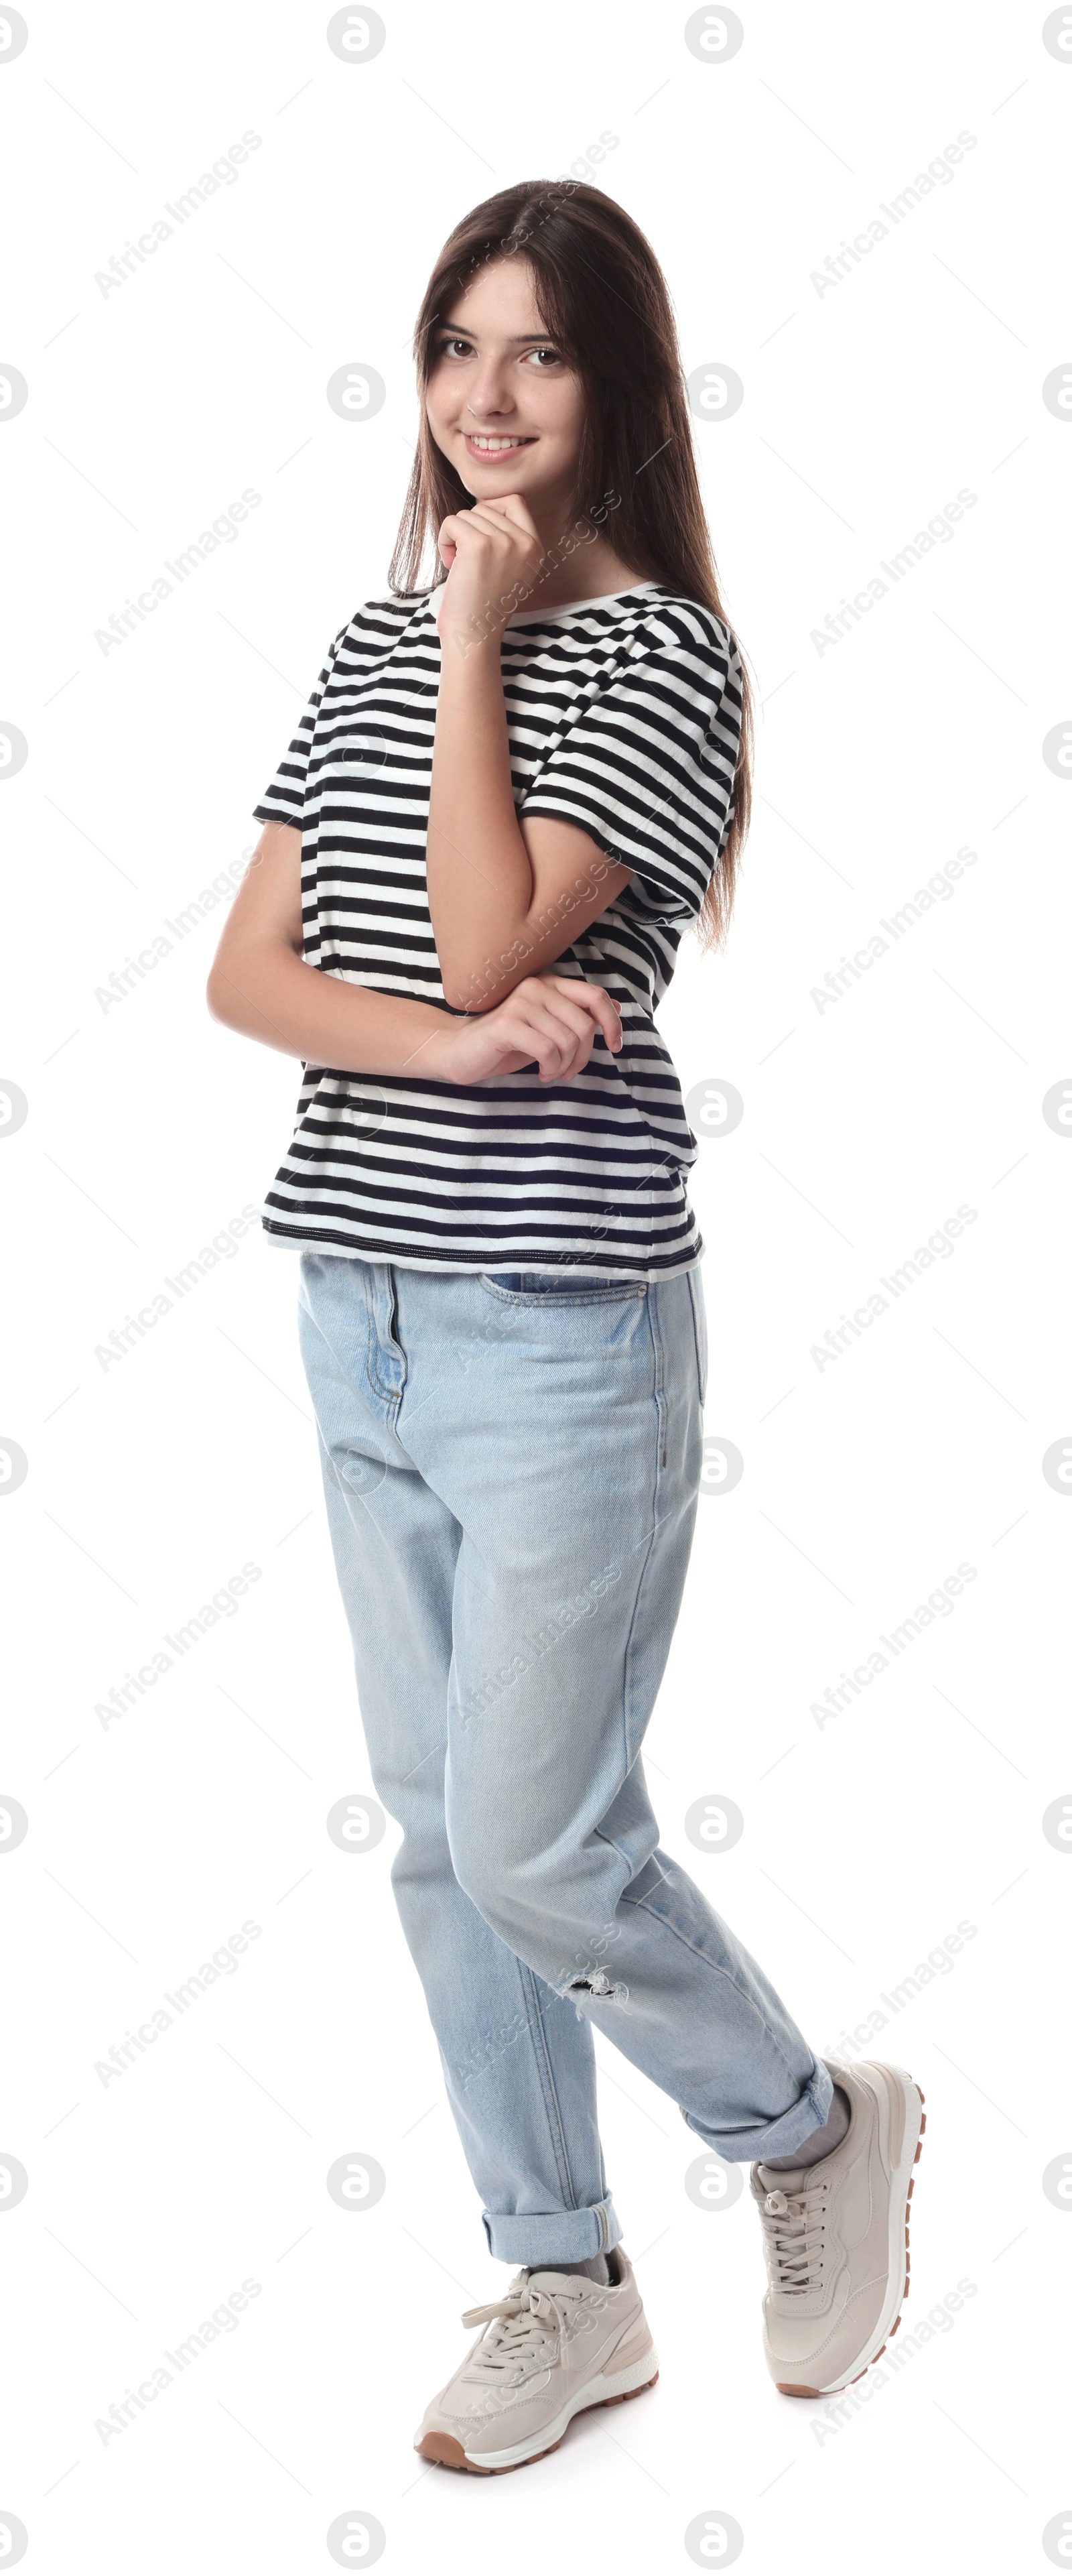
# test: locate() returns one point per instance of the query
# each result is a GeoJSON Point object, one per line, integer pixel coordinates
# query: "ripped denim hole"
{"type": "Point", "coordinates": [599, 1984]}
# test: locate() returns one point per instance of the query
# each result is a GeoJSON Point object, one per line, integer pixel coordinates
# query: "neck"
{"type": "Point", "coordinates": [581, 562]}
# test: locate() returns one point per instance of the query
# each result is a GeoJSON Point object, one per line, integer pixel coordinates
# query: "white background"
{"type": "Point", "coordinates": [867, 1124]}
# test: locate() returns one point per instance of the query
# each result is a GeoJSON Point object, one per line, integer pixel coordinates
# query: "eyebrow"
{"type": "Point", "coordinates": [518, 338]}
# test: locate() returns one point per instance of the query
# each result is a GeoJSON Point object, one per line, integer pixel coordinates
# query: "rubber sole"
{"type": "Point", "coordinates": [447, 2453]}
{"type": "Point", "coordinates": [785, 2387]}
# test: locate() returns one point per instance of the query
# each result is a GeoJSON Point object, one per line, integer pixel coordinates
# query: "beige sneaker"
{"type": "Point", "coordinates": [558, 2344]}
{"type": "Point", "coordinates": [836, 2238]}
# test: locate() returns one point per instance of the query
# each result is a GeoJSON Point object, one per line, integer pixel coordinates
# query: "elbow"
{"type": "Point", "coordinates": [464, 988]}
{"type": "Point", "coordinates": [454, 995]}
{"type": "Point", "coordinates": [461, 997]}
{"type": "Point", "coordinates": [231, 984]}
{"type": "Point", "coordinates": [479, 994]}
{"type": "Point", "coordinates": [216, 991]}
{"type": "Point", "coordinates": [243, 985]}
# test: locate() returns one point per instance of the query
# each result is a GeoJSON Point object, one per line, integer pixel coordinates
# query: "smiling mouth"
{"type": "Point", "coordinates": [494, 446]}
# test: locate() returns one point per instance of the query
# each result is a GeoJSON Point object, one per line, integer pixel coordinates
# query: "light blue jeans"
{"type": "Point", "coordinates": [511, 1464]}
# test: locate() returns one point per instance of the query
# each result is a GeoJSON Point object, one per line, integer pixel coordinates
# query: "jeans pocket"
{"type": "Point", "coordinates": [557, 1287]}
{"type": "Point", "coordinates": [699, 1326]}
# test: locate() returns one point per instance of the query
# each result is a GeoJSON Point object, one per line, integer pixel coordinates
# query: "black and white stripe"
{"type": "Point", "coordinates": [624, 717]}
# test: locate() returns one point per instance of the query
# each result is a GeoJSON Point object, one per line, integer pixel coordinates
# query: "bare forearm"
{"type": "Point", "coordinates": [505, 904]}
{"type": "Point", "coordinates": [480, 887]}
{"type": "Point", "coordinates": [267, 991]}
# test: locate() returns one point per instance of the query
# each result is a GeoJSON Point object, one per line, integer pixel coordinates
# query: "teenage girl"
{"type": "Point", "coordinates": [510, 795]}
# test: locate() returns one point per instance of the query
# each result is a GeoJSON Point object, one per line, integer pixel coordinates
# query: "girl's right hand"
{"type": "Point", "coordinates": [548, 1020]}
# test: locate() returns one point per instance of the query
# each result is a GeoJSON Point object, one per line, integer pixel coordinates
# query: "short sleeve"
{"type": "Point", "coordinates": [647, 767]}
{"type": "Point", "coordinates": [283, 800]}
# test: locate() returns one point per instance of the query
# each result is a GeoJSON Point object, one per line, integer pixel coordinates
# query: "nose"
{"type": "Point", "coordinates": [491, 398]}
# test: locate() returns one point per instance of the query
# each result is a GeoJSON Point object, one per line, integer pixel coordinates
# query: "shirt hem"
{"type": "Point", "coordinates": [293, 1238]}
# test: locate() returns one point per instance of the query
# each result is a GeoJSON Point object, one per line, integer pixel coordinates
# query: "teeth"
{"type": "Point", "coordinates": [495, 446]}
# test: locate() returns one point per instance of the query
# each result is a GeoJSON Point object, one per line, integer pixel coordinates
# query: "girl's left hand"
{"type": "Point", "coordinates": [493, 555]}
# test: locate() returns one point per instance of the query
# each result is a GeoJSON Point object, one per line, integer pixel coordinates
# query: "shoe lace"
{"type": "Point", "coordinates": [794, 2231]}
{"type": "Point", "coordinates": [524, 2325]}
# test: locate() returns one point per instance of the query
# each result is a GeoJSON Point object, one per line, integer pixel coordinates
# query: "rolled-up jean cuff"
{"type": "Point", "coordinates": [777, 2137]}
{"type": "Point", "coordinates": [557, 2236]}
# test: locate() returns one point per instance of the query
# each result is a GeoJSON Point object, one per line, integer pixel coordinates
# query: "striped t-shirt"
{"type": "Point", "coordinates": [624, 717]}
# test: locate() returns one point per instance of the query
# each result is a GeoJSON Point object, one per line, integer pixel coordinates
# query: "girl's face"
{"type": "Point", "coordinates": [502, 403]}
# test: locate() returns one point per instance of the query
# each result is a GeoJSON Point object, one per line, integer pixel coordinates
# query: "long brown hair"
{"type": "Point", "coordinates": [603, 300]}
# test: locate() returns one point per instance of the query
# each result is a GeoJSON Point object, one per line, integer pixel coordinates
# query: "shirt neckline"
{"type": "Point", "coordinates": [569, 608]}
